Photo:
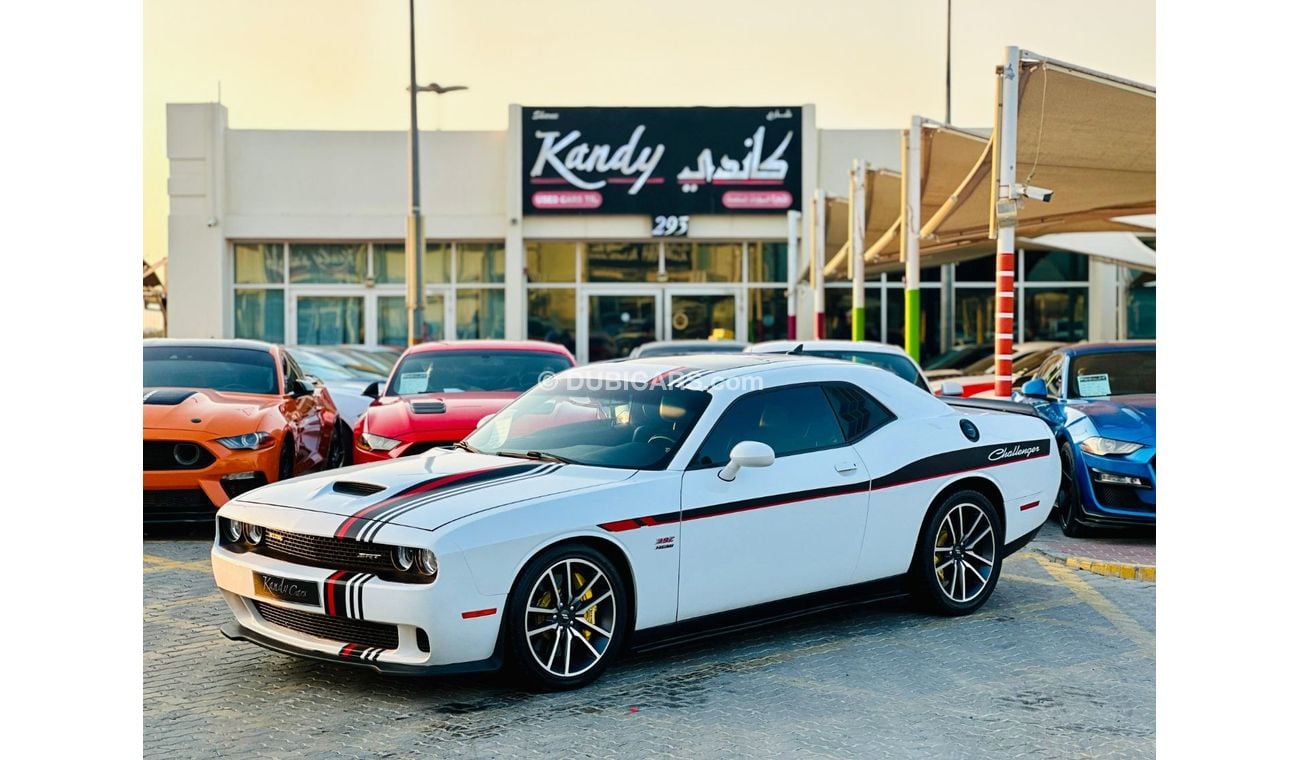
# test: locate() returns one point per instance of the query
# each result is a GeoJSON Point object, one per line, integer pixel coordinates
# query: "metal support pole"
{"type": "Point", "coordinates": [858, 235]}
{"type": "Point", "coordinates": [415, 219]}
{"type": "Point", "coordinates": [1005, 216]}
{"type": "Point", "coordinates": [912, 241]}
{"type": "Point", "coordinates": [817, 277]}
{"type": "Point", "coordinates": [792, 274]}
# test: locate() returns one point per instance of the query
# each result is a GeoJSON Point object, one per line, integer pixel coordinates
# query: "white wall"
{"type": "Point", "coordinates": [196, 267]}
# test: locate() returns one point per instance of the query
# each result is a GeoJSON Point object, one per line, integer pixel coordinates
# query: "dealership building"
{"type": "Point", "coordinates": [599, 228]}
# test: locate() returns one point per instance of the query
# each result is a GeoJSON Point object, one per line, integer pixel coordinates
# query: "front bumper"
{"type": "Point", "coordinates": [1103, 503]}
{"type": "Point", "coordinates": [433, 633]}
{"type": "Point", "coordinates": [193, 495]}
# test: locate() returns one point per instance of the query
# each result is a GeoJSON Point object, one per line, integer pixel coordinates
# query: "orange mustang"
{"type": "Point", "coordinates": [222, 417]}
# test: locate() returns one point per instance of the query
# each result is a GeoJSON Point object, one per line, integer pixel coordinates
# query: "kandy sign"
{"type": "Point", "coordinates": [662, 160]}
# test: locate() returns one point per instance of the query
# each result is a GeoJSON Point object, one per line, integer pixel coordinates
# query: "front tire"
{"type": "Point", "coordinates": [1067, 498]}
{"type": "Point", "coordinates": [567, 617]}
{"type": "Point", "coordinates": [340, 450]}
{"type": "Point", "coordinates": [286, 459]}
{"type": "Point", "coordinates": [959, 555]}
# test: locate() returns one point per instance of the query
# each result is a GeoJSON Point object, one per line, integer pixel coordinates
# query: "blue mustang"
{"type": "Point", "coordinates": [1100, 401]}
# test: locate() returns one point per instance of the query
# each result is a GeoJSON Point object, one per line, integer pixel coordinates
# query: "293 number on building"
{"type": "Point", "coordinates": [671, 226]}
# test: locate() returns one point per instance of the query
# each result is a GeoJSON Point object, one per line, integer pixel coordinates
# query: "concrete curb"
{"type": "Point", "coordinates": [1126, 570]}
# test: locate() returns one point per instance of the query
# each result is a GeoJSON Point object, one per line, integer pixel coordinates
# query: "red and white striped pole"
{"type": "Point", "coordinates": [792, 275]}
{"type": "Point", "coordinates": [1005, 218]}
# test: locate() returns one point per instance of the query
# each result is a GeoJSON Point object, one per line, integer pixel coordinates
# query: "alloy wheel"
{"type": "Point", "coordinates": [964, 551]}
{"type": "Point", "coordinates": [570, 618]}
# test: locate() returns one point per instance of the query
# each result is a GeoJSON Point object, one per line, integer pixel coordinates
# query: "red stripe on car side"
{"type": "Point", "coordinates": [479, 613]}
{"type": "Point", "coordinates": [1028, 506]}
{"type": "Point", "coordinates": [621, 525]}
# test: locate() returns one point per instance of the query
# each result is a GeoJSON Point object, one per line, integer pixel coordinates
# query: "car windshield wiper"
{"type": "Point", "coordinates": [465, 447]}
{"type": "Point", "coordinates": [540, 456]}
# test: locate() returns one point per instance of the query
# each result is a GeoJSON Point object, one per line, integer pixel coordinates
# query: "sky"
{"type": "Point", "coordinates": [342, 64]}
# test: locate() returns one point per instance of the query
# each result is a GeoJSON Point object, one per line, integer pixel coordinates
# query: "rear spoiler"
{"type": "Point", "coordinates": [989, 405]}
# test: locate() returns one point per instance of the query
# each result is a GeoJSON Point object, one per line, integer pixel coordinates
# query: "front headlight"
{"type": "Point", "coordinates": [246, 441]}
{"type": "Point", "coordinates": [372, 442]}
{"type": "Point", "coordinates": [427, 562]}
{"type": "Point", "coordinates": [1108, 446]}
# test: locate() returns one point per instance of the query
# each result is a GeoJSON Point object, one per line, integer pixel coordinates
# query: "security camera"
{"type": "Point", "coordinates": [212, 221]}
{"type": "Point", "coordinates": [1035, 193]}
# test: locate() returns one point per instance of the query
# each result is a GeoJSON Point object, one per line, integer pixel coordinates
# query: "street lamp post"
{"type": "Point", "coordinates": [415, 217]}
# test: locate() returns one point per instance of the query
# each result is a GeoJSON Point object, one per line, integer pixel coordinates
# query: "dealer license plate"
{"type": "Point", "coordinates": [286, 589]}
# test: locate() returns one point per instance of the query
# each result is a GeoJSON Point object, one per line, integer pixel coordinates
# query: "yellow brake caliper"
{"type": "Point", "coordinates": [943, 539]}
{"type": "Point", "coordinates": [589, 615]}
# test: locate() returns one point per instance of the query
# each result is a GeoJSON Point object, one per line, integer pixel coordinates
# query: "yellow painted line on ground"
{"type": "Point", "coordinates": [1026, 579]}
{"type": "Point", "coordinates": [1104, 607]}
{"type": "Point", "coordinates": [158, 564]}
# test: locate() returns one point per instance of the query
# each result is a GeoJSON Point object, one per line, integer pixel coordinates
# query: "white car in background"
{"type": "Point", "coordinates": [635, 503]}
{"type": "Point", "coordinates": [883, 355]}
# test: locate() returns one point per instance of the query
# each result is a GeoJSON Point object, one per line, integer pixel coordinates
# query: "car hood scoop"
{"type": "Point", "coordinates": [429, 491]}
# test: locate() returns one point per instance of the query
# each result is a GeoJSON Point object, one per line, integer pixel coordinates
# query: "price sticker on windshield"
{"type": "Point", "coordinates": [412, 382]}
{"type": "Point", "coordinates": [1094, 385]}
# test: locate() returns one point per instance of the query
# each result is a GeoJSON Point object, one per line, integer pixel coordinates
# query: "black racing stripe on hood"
{"type": "Point", "coordinates": [167, 396]}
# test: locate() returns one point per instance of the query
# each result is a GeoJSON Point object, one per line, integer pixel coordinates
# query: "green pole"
{"type": "Point", "coordinates": [912, 318]}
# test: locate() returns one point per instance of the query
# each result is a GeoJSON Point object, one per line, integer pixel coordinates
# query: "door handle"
{"type": "Point", "coordinates": [845, 467]}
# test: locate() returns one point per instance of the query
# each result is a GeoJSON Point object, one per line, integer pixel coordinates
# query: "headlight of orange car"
{"type": "Point", "coordinates": [246, 441]}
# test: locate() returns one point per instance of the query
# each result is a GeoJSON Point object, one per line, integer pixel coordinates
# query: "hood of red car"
{"type": "Point", "coordinates": [453, 414]}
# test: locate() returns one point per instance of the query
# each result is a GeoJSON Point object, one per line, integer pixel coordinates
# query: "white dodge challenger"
{"type": "Point", "coordinates": [630, 505]}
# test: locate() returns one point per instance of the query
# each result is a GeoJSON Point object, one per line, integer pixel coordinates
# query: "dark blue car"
{"type": "Point", "coordinates": [1100, 401]}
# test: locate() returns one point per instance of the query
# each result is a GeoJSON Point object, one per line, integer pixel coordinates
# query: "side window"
{"type": "Point", "coordinates": [1052, 375]}
{"type": "Point", "coordinates": [858, 413]}
{"type": "Point", "coordinates": [790, 420]}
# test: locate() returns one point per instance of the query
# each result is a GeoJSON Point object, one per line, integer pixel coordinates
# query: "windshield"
{"type": "Point", "coordinates": [959, 357]}
{"type": "Point", "coordinates": [467, 371]}
{"type": "Point", "coordinates": [606, 423]}
{"type": "Point", "coordinates": [898, 365]}
{"type": "Point", "coordinates": [1114, 373]}
{"type": "Point", "coordinates": [1025, 363]}
{"type": "Point", "coordinates": [240, 370]}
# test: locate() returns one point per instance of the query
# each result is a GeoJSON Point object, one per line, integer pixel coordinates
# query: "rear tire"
{"type": "Point", "coordinates": [340, 451]}
{"type": "Point", "coordinates": [563, 630]}
{"type": "Point", "coordinates": [959, 555]}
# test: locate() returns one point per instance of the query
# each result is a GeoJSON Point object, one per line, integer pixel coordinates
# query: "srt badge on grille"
{"type": "Point", "coordinates": [368, 555]}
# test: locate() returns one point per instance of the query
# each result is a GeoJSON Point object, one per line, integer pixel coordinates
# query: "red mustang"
{"type": "Point", "coordinates": [439, 391]}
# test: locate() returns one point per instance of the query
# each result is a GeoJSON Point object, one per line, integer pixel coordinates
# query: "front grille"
{"type": "Point", "coordinates": [179, 505]}
{"type": "Point", "coordinates": [333, 554]}
{"type": "Point", "coordinates": [340, 629]}
{"type": "Point", "coordinates": [176, 455]}
{"type": "Point", "coordinates": [419, 447]}
{"type": "Point", "coordinates": [1121, 497]}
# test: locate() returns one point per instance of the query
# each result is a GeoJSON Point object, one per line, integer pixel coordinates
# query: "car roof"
{"type": "Point", "coordinates": [689, 343]}
{"type": "Point", "coordinates": [785, 346]}
{"type": "Point", "coordinates": [257, 345]}
{"type": "Point", "coordinates": [1101, 347]}
{"type": "Point", "coordinates": [488, 344]}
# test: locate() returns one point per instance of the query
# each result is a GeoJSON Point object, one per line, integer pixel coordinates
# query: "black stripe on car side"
{"type": "Point", "coordinates": [937, 466]}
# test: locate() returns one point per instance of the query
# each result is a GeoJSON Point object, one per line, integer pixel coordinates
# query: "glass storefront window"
{"type": "Point", "coordinates": [392, 319]}
{"type": "Point", "coordinates": [259, 263]}
{"type": "Point", "coordinates": [1141, 306]}
{"type": "Point", "coordinates": [973, 321]}
{"type": "Point", "coordinates": [480, 313]}
{"type": "Point", "coordinates": [552, 314]}
{"type": "Point", "coordinates": [390, 263]}
{"type": "Point", "coordinates": [768, 314]}
{"type": "Point", "coordinates": [928, 274]}
{"type": "Point", "coordinates": [896, 312]}
{"type": "Point", "coordinates": [839, 312]}
{"type": "Point", "coordinates": [699, 316]}
{"type": "Point", "coordinates": [550, 262]}
{"type": "Point", "coordinates": [620, 262]}
{"type": "Point", "coordinates": [768, 262]}
{"type": "Point", "coordinates": [702, 262]}
{"type": "Point", "coordinates": [983, 269]}
{"type": "Point", "coordinates": [327, 320]}
{"type": "Point", "coordinates": [259, 314]}
{"type": "Point", "coordinates": [1056, 314]}
{"type": "Point", "coordinates": [327, 263]}
{"type": "Point", "coordinates": [480, 262]}
{"type": "Point", "coordinates": [1055, 266]}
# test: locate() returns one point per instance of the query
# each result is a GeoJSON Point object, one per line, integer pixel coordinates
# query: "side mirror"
{"type": "Point", "coordinates": [485, 419]}
{"type": "Point", "coordinates": [950, 388]}
{"type": "Point", "coordinates": [302, 388]}
{"type": "Point", "coordinates": [747, 454]}
{"type": "Point", "coordinates": [372, 391]}
{"type": "Point", "coordinates": [1034, 388]}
